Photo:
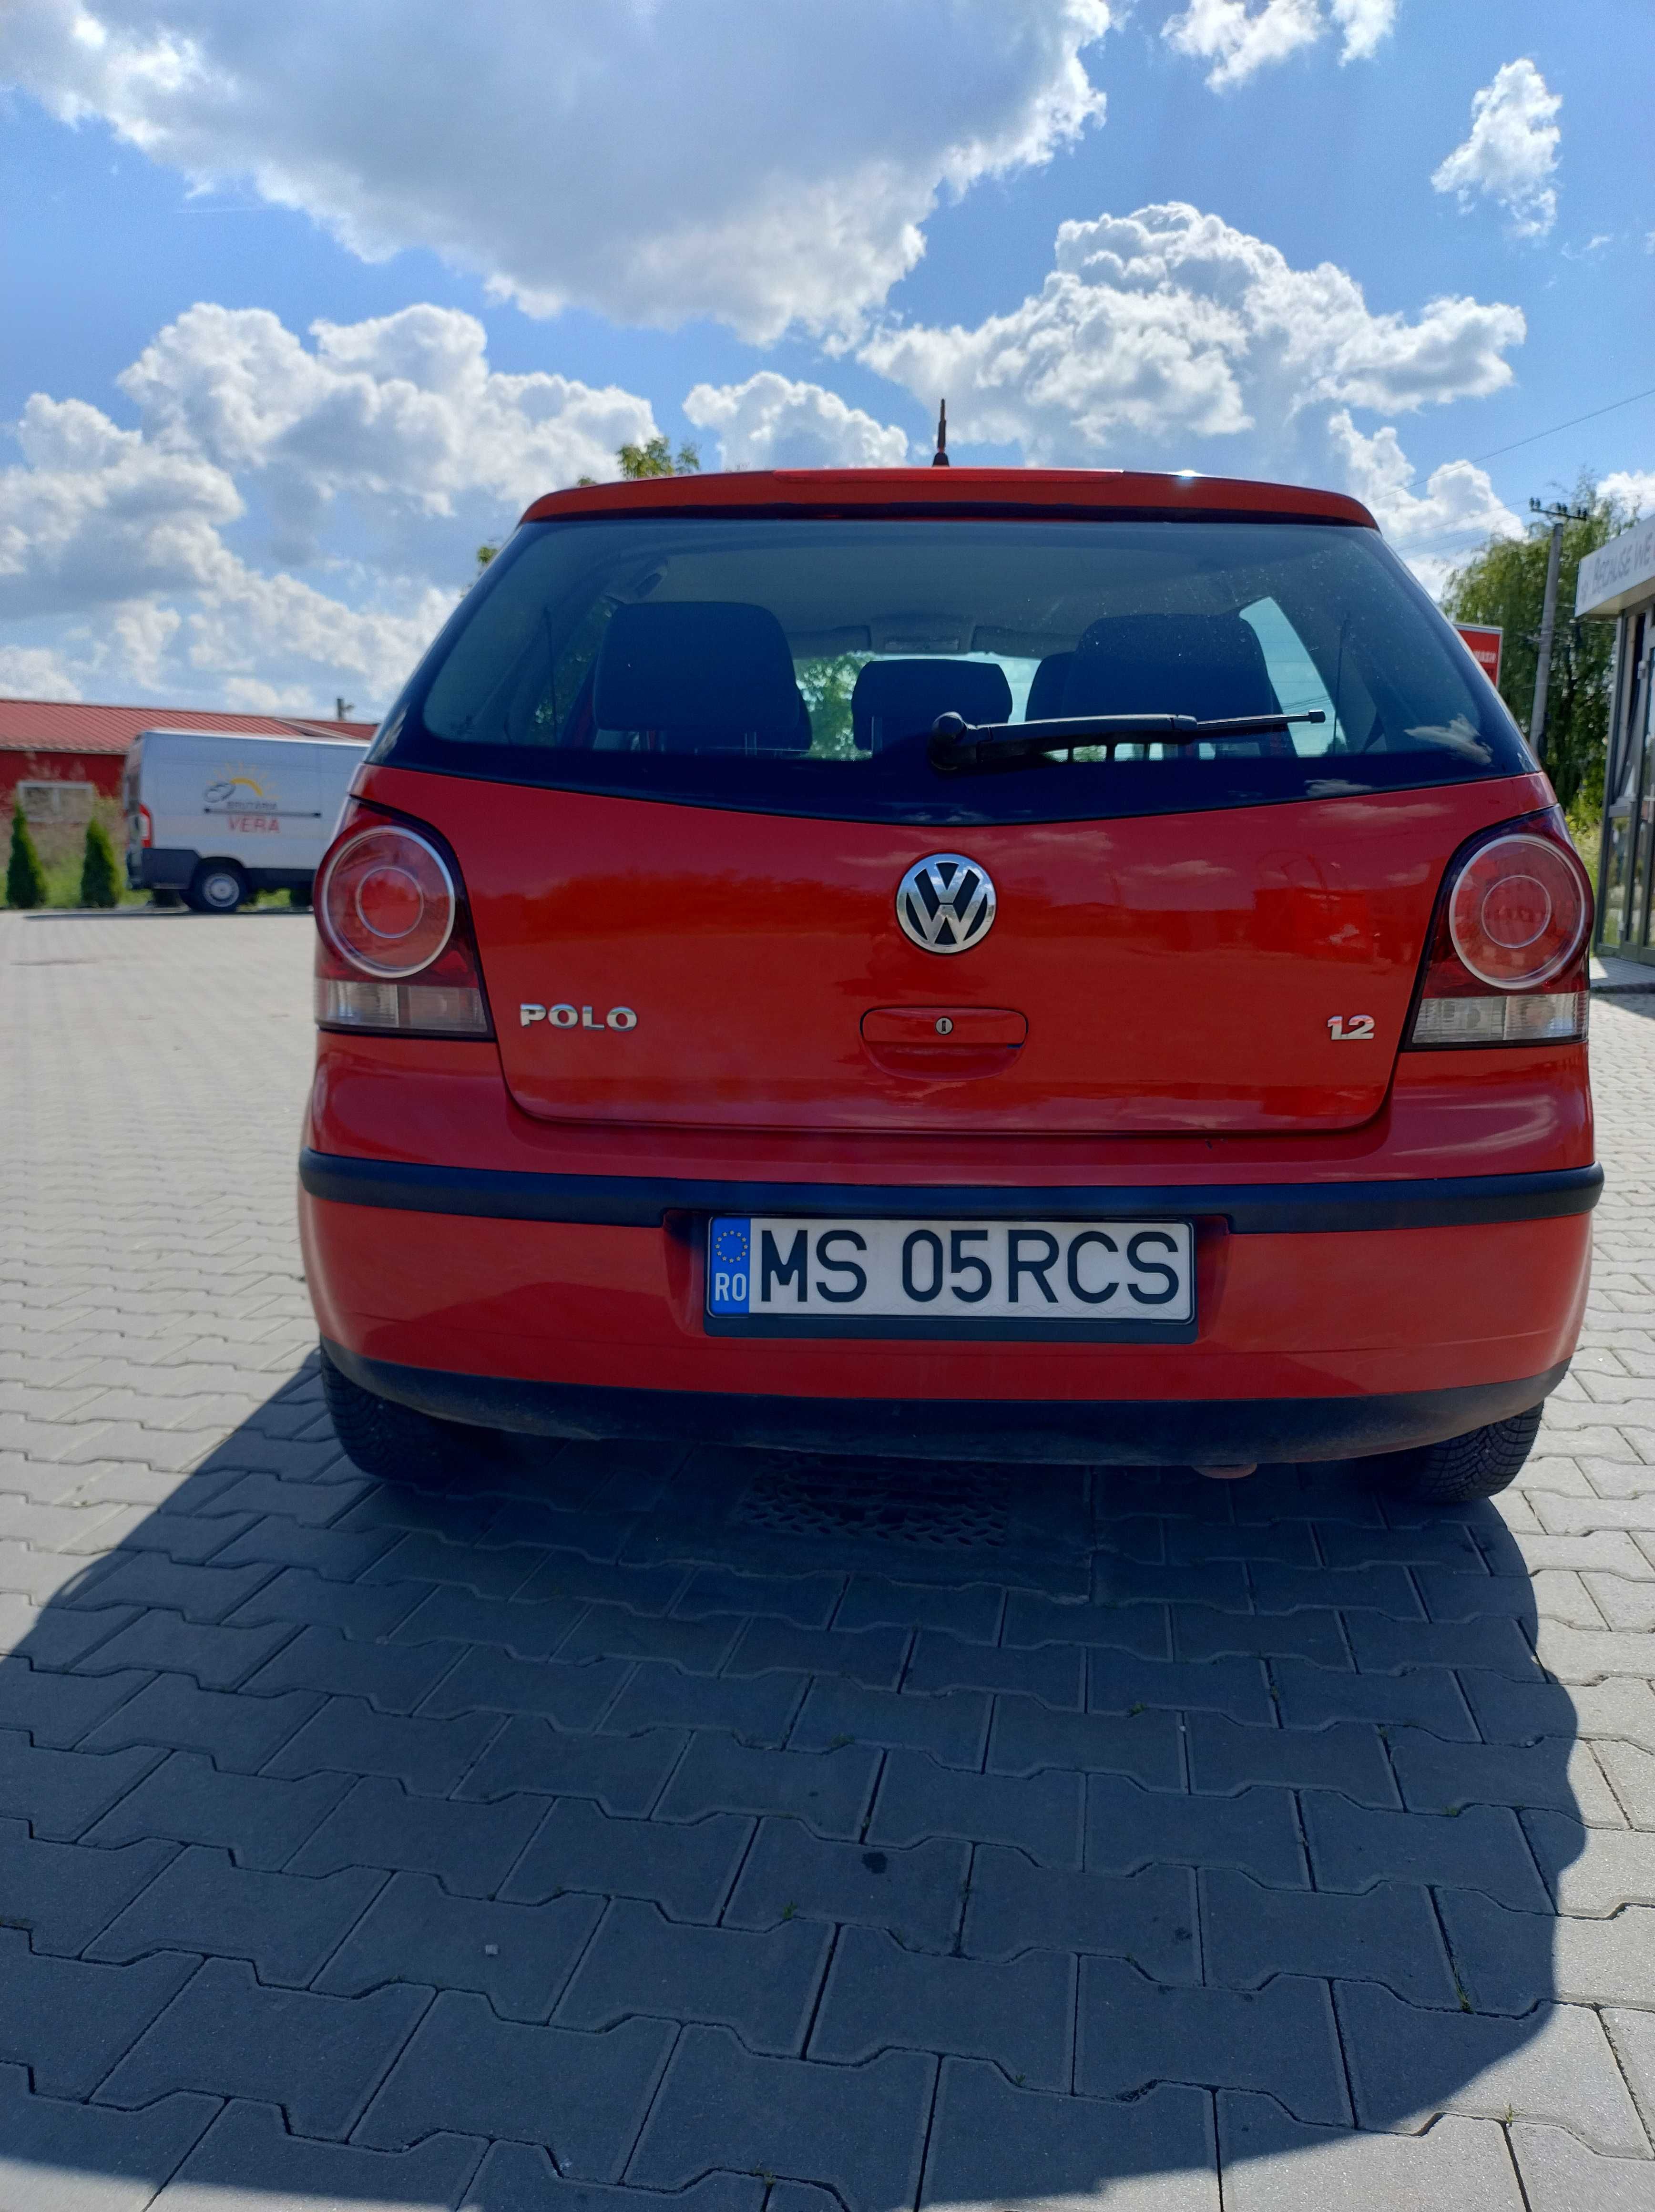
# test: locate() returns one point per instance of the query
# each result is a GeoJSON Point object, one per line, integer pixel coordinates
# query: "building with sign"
{"type": "Point", "coordinates": [1617, 583]}
{"type": "Point", "coordinates": [69, 753]}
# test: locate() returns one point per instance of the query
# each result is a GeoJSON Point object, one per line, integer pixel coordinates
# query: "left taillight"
{"type": "Point", "coordinates": [395, 951]}
{"type": "Point", "coordinates": [146, 826]}
{"type": "Point", "coordinates": [1508, 956]}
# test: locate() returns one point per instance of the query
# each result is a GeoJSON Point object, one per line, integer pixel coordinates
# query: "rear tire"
{"type": "Point", "coordinates": [216, 887]}
{"type": "Point", "coordinates": [395, 1442]}
{"type": "Point", "coordinates": [1465, 1468]}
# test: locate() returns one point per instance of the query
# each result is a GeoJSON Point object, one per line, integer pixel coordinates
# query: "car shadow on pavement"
{"type": "Point", "coordinates": [743, 1831]}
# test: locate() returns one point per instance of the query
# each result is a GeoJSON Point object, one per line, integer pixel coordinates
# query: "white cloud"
{"type": "Point", "coordinates": [1633, 488]}
{"type": "Point", "coordinates": [142, 631]}
{"type": "Point", "coordinates": [1433, 530]}
{"type": "Point", "coordinates": [401, 415]}
{"type": "Point", "coordinates": [251, 624]}
{"type": "Point", "coordinates": [98, 514]}
{"type": "Point", "coordinates": [771, 422]}
{"type": "Point", "coordinates": [761, 166]}
{"type": "Point", "coordinates": [1167, 331]}
{"type": "Point", "coordinates": [160, 559]}
{"type": "Point", "coordinates": [1238, 38]}
{"type": "Point", "coordinates": [1511, 150]}
{"type": "Point", "coordinates": [1366, 24]}
{"type": "Point", "coordinates": [35, 671]}
{"type": "Point", "coordinates": [1165, 327]}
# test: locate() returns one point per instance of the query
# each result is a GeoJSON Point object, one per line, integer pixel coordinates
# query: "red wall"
{"type": "Point", "coordinates": [103, 769]}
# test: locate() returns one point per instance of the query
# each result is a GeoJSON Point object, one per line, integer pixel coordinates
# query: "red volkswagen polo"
{"type": "Point", "coordinates": [995, 964]}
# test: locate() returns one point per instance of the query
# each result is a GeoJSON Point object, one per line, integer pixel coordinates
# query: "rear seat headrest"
{"type": "Point", "coordinates": [698, 665]}
{"type": "Point", "coordinates": [903, 697]}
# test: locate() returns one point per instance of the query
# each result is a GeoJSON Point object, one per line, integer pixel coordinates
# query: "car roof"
{"type": "Point", "coordinates": [913, 491]}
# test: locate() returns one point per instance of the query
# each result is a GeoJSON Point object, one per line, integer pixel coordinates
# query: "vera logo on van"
{"type": "Point", "coordinates": [246, 806]}
{"type": "Point", "coordinates": [566, 1016]}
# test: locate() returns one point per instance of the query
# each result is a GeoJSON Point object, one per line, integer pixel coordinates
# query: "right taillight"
{"type": "Point", "coordinates": [1507, 963]}
{"type": "Point", "coordinates": [394, 945]}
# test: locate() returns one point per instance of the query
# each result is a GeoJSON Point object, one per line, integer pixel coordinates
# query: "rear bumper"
{"type": "Point", "coordinates": [1334, 1319]}
{"type": "Point", "coordinates": [1245, 1209]}
{"type": "Point", "coordinates": [1156, 1432]}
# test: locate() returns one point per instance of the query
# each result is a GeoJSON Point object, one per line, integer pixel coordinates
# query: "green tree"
{"type": "Point", "coordinates": [655, 458]}
{"type": "Point", "coordinates": [1505, 582]}
{"type": "Point", "coordinates": [100, 876]}
{"type": "Point", "coordinates": [827, 684]}
{"type": "Point", "coordinates": [26, 879]}
{"type": "Point", "coordinates": [485, 554]}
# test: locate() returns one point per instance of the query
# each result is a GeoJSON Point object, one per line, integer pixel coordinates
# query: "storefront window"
{"type": "Point", "coordinates": [1617, 583]}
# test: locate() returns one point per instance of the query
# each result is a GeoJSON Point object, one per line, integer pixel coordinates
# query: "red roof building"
{"type": "Point", "coordinates": [57, 741]}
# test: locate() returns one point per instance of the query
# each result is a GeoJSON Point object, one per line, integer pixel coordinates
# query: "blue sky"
{"type": "Point", "coordinates": [809, 220]}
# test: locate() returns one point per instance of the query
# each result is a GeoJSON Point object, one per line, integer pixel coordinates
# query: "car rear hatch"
{"type": "Point", "coordinates": [694, 779]}
{"type": "Point", "coordinates": [1230, 972]}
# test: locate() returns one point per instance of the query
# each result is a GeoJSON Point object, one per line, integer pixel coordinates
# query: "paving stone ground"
{"type": "Point", "coordinates": [631, 1828]}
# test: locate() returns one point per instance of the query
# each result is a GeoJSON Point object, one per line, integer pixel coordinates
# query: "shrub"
{"type": "Point", "coordinates": [101, 875]}
{"type": "Point", "coordinates": [26, 879]}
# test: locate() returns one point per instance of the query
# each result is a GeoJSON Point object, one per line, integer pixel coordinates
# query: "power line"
{"type": "Point", "coordinates": [1470, 529]}
{"type": "Point", "coordinates": [1535, 438]}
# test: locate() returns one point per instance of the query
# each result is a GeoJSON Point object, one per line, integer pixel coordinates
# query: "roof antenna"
{"type": "Point", "coordinates": [940, 458]}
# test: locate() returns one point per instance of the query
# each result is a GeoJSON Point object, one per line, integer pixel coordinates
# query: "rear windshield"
{"type": "Point", "coordinates": [797, 666]}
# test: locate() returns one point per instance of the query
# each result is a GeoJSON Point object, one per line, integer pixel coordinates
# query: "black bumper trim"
{"type": "Point", "coordinates": [1250, 1210]}
{"type": "Point", "coordinates": [1160, 1433]}
{"type": "Point", "coordinates": [162, 868]}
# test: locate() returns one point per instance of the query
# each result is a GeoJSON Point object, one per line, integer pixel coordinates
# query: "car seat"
{"type": "Point", "coordinates": [895, 699]}
{"type": "Point", "coordinates": [700, 675]}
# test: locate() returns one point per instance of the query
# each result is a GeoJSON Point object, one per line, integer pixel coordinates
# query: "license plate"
{"type": "Point", "coordinates": [950, 1278]}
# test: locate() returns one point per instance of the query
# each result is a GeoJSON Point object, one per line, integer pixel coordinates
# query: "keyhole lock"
{"type": "Point", "coordinates": [944, 1025]}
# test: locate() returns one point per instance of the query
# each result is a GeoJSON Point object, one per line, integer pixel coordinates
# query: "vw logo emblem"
{"type": "Point", "coordinates": [945, 903]}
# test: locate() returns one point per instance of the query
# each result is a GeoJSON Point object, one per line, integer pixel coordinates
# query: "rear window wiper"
{"type": "Point", "coordinates": [956, 746]}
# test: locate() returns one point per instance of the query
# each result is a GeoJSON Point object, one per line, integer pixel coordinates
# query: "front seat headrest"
{"type": "Point", "coordinates": [699, 667]}
{"type": "Point", "coordinates": [1209, 666]}
{"type": "Point", "coordinates": [897, 699]}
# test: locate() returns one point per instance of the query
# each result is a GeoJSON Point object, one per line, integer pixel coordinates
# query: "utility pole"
{"type": "Point", "coordinates": [1557, 514]}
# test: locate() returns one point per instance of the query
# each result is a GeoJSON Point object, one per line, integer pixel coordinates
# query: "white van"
{"type": "Point", "coordinates": [218, 816]}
